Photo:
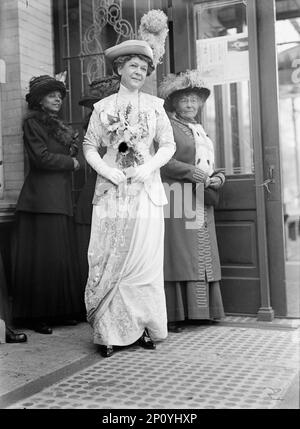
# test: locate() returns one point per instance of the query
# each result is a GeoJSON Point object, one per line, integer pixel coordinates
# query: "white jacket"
{"type": "Point", "coordinates": [160, 131]}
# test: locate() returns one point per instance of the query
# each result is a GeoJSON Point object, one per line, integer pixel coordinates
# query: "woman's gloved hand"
{"type": "Point", "coordinates": [215, 182]}
{"type": "Point", "coordinates": [114, 175]}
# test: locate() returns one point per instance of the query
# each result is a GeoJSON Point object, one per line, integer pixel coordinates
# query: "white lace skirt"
{"type": "Point", "coordinates": [125, 289]}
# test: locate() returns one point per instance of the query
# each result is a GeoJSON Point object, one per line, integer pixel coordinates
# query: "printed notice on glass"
{"type": "Point", "coordinates": [223, 59]}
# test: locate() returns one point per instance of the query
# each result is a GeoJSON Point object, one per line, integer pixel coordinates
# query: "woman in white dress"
{"type": "Point", "coordinates": [124, 296]}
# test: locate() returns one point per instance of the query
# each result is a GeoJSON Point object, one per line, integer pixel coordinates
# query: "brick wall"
{"type": "Point", "coordinates": [26, 45]}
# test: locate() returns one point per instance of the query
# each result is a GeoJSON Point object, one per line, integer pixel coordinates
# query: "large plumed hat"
{"type": "Point", "coordinates": [152, 34]}
{"type": "Point", "coordinates": [41, 86]}
{"type": "Point", "coordinates": [100, 88]}
{"type": "Point", "coordinates": [175, 84]}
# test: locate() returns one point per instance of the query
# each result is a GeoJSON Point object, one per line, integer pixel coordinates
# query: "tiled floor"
{"type": "Point", "coordinates": [277, 322]}
{"type": "Point", "coordinates": [202, 367]}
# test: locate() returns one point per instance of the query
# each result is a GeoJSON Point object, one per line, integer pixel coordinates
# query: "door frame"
{"type": "Point", "coordinates": [266, 311]}
{"type": "Point", "coordinates": [265, 12]}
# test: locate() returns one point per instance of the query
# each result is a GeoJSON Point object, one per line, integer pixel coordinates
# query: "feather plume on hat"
{"type": "Point", "coordinates": [185, 81]}
{"type": "Point", "coordinates": [151, 39]}
{"type": "Point", "coordinates": [61, 77]}
{"type": "Point", "coordinates": [153, 29]}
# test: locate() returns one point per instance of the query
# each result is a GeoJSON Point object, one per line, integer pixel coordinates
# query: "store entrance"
{"type": "Point", "coordinates": [223, 40]}
{"type": "Point", "coordinates": [288, 50]}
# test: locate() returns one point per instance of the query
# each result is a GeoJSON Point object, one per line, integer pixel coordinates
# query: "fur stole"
{"type": "Point", "coordinates": [57, 129]}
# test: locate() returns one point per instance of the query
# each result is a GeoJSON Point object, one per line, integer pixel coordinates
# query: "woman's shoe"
{"type": "Point", "coordinates": [13, 337]}
{"type": "Point", "coordinates": [42, 328]}
{"type": "Point", "coordinates": [173, 327]}
{"type": "Point", "coordinates": [146, 342]}
{"type": "Point", "coordinates": [106, 351]}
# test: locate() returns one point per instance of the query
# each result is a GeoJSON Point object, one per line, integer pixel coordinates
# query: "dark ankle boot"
{"type": "Point", "coordinates": [106, 351]}
{"type": "Point", "coordinates": [174, 327]}
{"type": "Point", "coordinates": [14, 337]}
{"type": "Point", "coordinates": [42, 328]}
{"type": "Point", "coordinates": [145, 341]}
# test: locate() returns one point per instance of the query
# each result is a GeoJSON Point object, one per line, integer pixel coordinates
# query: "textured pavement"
{"type": "Point", "coordinates": [44, 359]}
{"type": "Point", "coordinates": [220, 366]}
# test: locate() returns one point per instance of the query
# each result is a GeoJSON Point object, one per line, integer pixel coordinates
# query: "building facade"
{"type": "Point", "coordinates": [248, 51]}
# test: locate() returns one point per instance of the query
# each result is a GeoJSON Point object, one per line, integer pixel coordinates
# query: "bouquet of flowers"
{"type": "Point", "coordinates": [125, 132]}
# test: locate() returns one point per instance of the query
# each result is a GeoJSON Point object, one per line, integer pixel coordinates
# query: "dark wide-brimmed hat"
{"type": "Point", "coordinates": [40, 86]}
{"type": "Point", "coordinates": [184, 82]}
{"type": "Point", "coordinates": [100, 88]}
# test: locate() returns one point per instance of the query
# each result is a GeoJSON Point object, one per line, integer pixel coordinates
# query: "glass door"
{"type": "Point", "coordinates": [288, 52]}
{"type": "Point", "coordinates": [222, 53]}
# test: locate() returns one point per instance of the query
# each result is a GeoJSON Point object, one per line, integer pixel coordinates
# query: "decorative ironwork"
{"type": "Point", "coordinates": [85, 29]}
{"type": "Point", "coordinates": [105, 12]}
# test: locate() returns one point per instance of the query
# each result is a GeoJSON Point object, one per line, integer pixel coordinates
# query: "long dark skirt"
{"type": "Point", "coordinates": [46, 272]}
{"type": "Point", "coordinates": [193, 301]}
{"type": "Point", "coordinates": [83, 219]}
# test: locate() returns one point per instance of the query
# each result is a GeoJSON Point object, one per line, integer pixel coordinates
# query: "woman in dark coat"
{"type": "Point", "coordinates": [47, 287]}
{"type": "Point", "coordinates": [191, 263]}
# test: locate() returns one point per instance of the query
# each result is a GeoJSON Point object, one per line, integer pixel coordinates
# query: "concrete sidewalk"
{"type": "Point", "coordinates": [26, 368]}
{"type": "Point", "coordinates": [240, 363]}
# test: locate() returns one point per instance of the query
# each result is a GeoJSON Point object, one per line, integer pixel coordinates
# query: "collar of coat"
{"type": "Point", "coordinates": [181, 124]}
{"type": "Point", "coordinates": [55, 127]}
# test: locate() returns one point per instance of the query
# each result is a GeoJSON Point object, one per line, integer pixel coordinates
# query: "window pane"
{"type": "Point", "coordinates": [223, 59]}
